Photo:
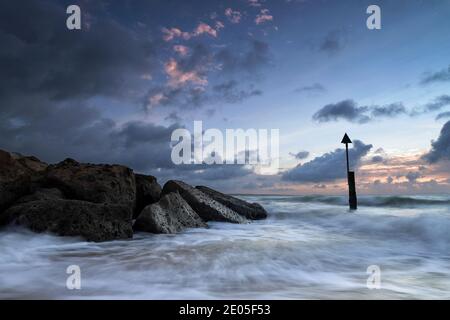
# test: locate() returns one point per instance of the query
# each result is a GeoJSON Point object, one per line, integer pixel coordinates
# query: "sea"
{"type": "Point", "coordinates": [309, 247]}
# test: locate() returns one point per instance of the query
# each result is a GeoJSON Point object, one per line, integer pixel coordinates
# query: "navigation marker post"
{"type": "Point", "coordinates": [352, 200]}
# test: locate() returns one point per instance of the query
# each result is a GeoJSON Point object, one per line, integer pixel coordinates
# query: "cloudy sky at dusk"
{"type": "Point", "coordinates": [115, 91]}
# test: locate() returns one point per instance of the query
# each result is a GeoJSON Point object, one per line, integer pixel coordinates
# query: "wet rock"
{"type": "Point", "coordinates": [171, 214]}
{"type": "Point", "coordinates": [253, 211]}
{"type": "Point", "coordinates": [17, 176]}
{"type": "Point", "coordinates": [206, 207]}
{"type": "Point", "coordinates": [92, 221]}
{"type": "Point", "coordinates": [148, 191]}
{"type": "Point", "coordinates": [98, 183]}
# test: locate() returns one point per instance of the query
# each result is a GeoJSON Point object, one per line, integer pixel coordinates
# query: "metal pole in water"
{"type": "Point", "coordinates": [352, 200]}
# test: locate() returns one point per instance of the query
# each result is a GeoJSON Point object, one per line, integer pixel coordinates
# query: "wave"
{"type": "Point", "coordinates": [368, 201]}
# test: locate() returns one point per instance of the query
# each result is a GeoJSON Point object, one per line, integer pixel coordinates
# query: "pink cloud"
{"type": "Point", "coordinates": [263, 16]}
{"type": "Point", "coordinates": [179, 78]}
{"type": "Point", "coordinates": [181, 50]}
{"type": "Point", "coordinates": [233, 16]}
{"type": "Point", "coordinates": [202, 28]}
{"type": "Point", "coordinates": [156, 99]}
{"type": "Point", "coordinates": [172, 33]}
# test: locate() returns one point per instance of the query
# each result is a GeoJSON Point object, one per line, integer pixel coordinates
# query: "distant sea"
{"type": "Point", "coordinates": [310, 247]}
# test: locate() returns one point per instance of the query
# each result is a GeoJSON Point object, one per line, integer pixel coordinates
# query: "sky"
{"type": "Point", "coordinates": [115, 91]}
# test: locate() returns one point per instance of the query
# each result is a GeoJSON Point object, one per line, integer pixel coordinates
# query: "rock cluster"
{"type": "Point", "coordinates": [102, 202]}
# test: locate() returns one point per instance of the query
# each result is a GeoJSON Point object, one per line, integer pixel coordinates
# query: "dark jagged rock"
{"type": "Point", "coordinates": [206, 207]}
{"type": "Point", "coordinates": [148, 191]}
{"type": "Point", "coordinates": [98, 183]}
{"type": "Point", "coordinates": [171, 214]}
{"type": "Point", "coordinates": [92, 221]}
{"type": "Point", "coordinates": [17, 176]}
{"type": "Point", "coordinates": [253, 211]}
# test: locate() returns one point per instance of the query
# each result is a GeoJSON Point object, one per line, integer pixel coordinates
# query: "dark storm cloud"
{"type": "Point", "coordinates": [440, 149]}
{"type": "Point", "coordinates": [346, 109]}
{"type": "Point", "coordinates": [440, 76]}
{"type": "Point", "coordinates": [314, 88]}
{"type": "Point", "coordinates": [329, 167]}
{"type": "Point", "coordinates": [39, 55]}
{"type": "Point", "coordinates": [50, 74]}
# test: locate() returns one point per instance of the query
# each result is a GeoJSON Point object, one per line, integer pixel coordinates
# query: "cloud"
{"type": "Point", "coordinates": [40, 58]}
{"type": "Point", "coordinates": [188, 77]}
{"type": "Point", "coordinates": [263, 17]}
{"type": "Point", "coordinates": [440, 76]}
{"type": "Point", "coordinates": [329, 167]}
{"type": "Point", "coordinates": [300, 155]}
{"type": "Point", "coordinates": [438, 103]}
{"type": "Point", "coordinates": [440, 149]}
{"type": "Point", "coordinates": [179, 78]}
{"type": "Point", "coordinates": [173, 117]}
{"type": "Point", "coordinates": [202, 28]}
{"type": "Point", "coordinates": [413, 176]}
{"type": "Point", "coordinates": [314, 88]}
{"type": "Point", "coordinates": [377, 159]}
{"type": "Point", "coordinates": [443, 115]}
{"type": "Point", "coordinates": [350, 111]}
{"type": "Point", "coordinates": [181, 50]}
{"type": "Point", "coordinates": [231, 92]}
{"type": "Point", "coordinates": [346, 109]}
{"type": "Point", "coordinates": [251, 61]}
{"type": "Point", "coordinates": [389, 111]}
{"type": "Point", "coordinates": [233, 16]}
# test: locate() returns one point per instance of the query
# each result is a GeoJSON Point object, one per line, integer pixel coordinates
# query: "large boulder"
{"type": "Point", "coordinates": [111, 184]}
{"type": "Point", "coordinates": [42, 194]}
{"type": "Point", "coordinates": [92, 221]}
{"type": "Point", "coordinates": [206, 207]}
{"type": "Point", "coordinates": [171, 214]}
{"type": "Point", "coordinates": [18, 175]}
{"type": "Point", "coordinates": [253, 211]}
{"type": "Point", "coordinates": [148, 191]}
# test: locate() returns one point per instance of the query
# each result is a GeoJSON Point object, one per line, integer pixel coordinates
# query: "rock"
{"type": "Point", "coordinates": [253, 211]}
{"type": "Point", "coordinates": [42, 194]}
{"type": "Point", "coordinates": [111, 184]}
{"type": "Point", "coordinates": [92, 221]}
{"type": "Point", "coordinates": [148, 191]}
{"type": "Point", "coordinates": [206, 207]}
{"type": "Point", "coordinates": [17, 176]}
{"type": "Point", "coordinates": [171, 214]}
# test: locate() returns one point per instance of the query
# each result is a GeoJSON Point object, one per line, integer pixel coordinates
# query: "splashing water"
{"type": "Point", "coordinates": [310, 247]}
